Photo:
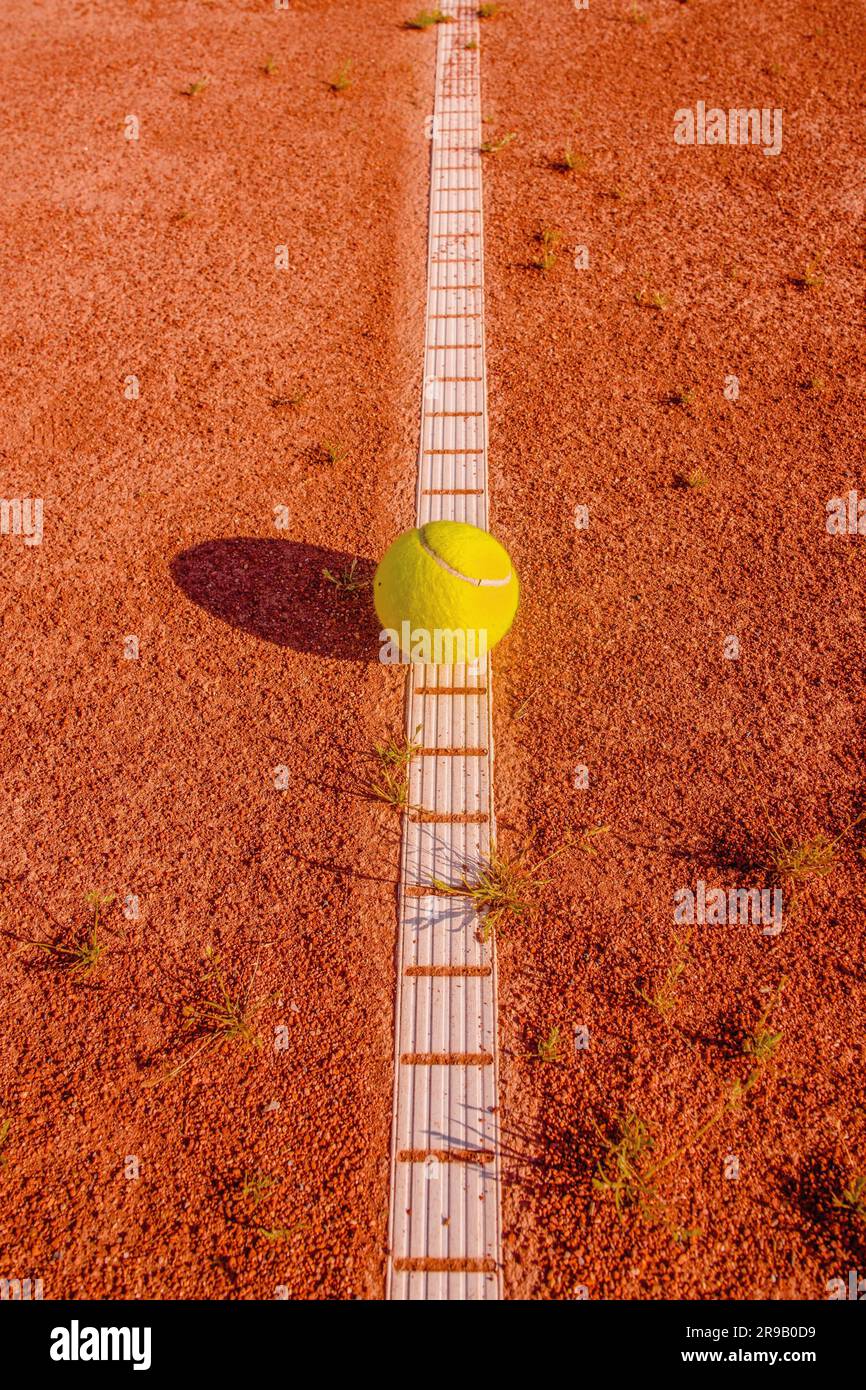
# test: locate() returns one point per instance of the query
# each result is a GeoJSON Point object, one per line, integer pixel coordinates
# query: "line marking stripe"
{"type": "Point", "coordinates": [445, 1266]}
{"type": "Point", "coordinates": [452, 752]}
{"type": "Point", "coordinates": [446, 1155]}
{"type": "Point", "coordinates": [445, 1237]}
{"type": "Point", "coordinates": [443, 970]}
{"type": "Point", "coordinates": [450, 690]}
{"type": "Point", "coordinates": [447, 1059]}
{"type": "Point", "coordinates": [429, 890]}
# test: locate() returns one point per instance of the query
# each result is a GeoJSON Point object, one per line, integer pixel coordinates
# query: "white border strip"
{"type": "Point", "coordinates": [445, 1226]}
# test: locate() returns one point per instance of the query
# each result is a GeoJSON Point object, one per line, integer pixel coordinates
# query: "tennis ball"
{"type": "Point", "coordinates": [446, 593]}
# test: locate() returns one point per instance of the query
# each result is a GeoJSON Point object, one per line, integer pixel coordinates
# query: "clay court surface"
{"type": "Point", "coordinates": [259, 1168]}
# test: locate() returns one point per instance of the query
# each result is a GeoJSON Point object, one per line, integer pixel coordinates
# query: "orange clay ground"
{"type": "Point", "coordinates": [145, 1156]}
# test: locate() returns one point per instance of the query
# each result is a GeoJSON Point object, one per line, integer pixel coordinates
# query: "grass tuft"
{"type": "Point", "coordinates": [227, 1013]}
{"type": "Point", "coordinates": [347, 582]}
{"type": "Point", "coordinates": [256, 1187]}
{"type": "Point", "coordinates": [653, 299]}
{"type": "Point", "coordinates": [390, 786]}
{"type": "Point", "coordinates": [548, 1049]}
{"type": "Point", "coordinates": [196, 88]}
{"type": "Point", "coordinates": [80, 952]}
{"type": "Point", "coordinates": [494, 146]}
{"type": "Point", "coordinates": [524, 704]}
{"type": "Point", "coordinates": [812, 277]}
{"type": "Point", "coordinates": [274, 1235]}
{"type": "Point", "coordinates": [295, 399]}
{"type": "Point", "coordinates": [333, 453]}
{"type": "Point", "coordinates": [585, 844]}
{"type": "Point", "coordinates": [620, 1173]}
{"type": "Point", "coordinates": [425, 19]}
{"type": "Point", "coordinates": [762, 1044]}
{"type": "Point", "coordinates": [664, 998]}
{"type": "Point", "coordinates": [684, 396]}
{"type": "Point", "coordinates": [853, 1198]}
{"type": "Point", "coordinates": [501, 889]}
{"type": "Point", "coordinates": [549, 241]}
{"type": "Point", "coordinates": [391, 783]}
{"type": "Point", "coordinates": [571, 161]}
{"type": "Point", "coordinates": [696, 481]}
{"type": "Point", "coordinates": [795, 865]}
{"type": "Point", "coordinates": [227, 1016]}
{"type": "Point", "coordinates": [342, 78]}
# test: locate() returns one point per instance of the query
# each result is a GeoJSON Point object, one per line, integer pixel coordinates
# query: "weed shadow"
{"type": "Point", "coordinates": [276, 590]}
{"type": "Point", "coordinates": [811, 1189]}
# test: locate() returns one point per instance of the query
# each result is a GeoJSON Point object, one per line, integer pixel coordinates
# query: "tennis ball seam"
{"type": "Point", "coordinates": [467, 578]}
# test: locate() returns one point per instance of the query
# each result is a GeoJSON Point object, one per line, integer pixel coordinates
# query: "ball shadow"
{"type": "Point", "coordinates": [276, 590]}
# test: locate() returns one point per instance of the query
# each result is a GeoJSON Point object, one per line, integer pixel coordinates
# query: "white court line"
{"type": "Point", "coordinates": [445, 1229]}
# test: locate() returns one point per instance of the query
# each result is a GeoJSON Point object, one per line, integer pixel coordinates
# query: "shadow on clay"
{"type": "Point", "coordinates": [275, 590]}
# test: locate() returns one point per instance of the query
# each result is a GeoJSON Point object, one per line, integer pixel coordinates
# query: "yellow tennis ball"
{"type": "Point", "coordinates": [445, 593]}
